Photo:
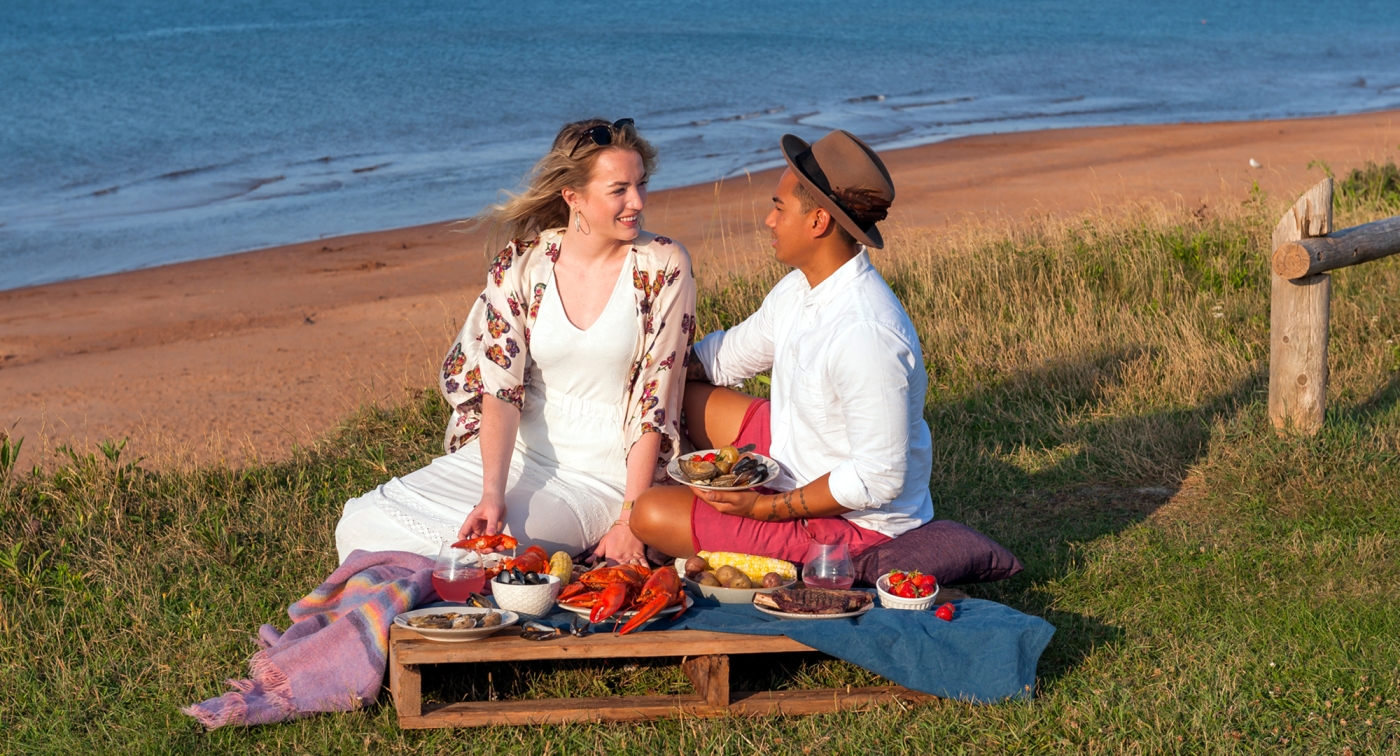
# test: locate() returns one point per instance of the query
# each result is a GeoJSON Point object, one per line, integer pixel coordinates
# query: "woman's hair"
{"type": "Point", "coordinates": [569, 163]}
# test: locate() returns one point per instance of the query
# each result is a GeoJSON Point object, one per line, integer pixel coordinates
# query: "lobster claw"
{"type": "Point", "coordinates": [661, 590]}
{"type": "Point", "coordinates": [610, 599]}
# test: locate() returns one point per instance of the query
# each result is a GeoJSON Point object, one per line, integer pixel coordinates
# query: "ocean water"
{"type": "Point", "coordinates": [140, 132]}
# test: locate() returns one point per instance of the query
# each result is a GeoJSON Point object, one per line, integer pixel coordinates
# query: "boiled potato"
{"type": "Point", "coordinates": [708, 578]}
{"type": "Point", "coordinates": [772, 580]}
{"type": "Point", "coordinates": [726, 575]}
{"type": "Point", "coordinates": [741, 581]}
{"type": "Point", "coordinates": [725, 459]}
{"type": "Point", "coordinates": [695, 564]}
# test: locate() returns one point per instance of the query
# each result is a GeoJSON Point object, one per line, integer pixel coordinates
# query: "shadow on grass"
{"type": "Point", "coordinates": [1032, 464]}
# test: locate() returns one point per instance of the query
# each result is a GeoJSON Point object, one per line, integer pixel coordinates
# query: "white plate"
{"type": "Point", "coordinates": [584, 611]}
{"type": "Point", "coordinates": [790, 615]}
{"type": "Point", "coordinates": [673, 468]}
{"type": "Point", "coordinates": [456, 636]}
{"type": "Point", "coordinates": [720, 593]}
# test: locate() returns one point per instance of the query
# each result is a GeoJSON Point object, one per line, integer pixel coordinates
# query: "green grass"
{"type": "Point", "coordinates": [1097, 404]}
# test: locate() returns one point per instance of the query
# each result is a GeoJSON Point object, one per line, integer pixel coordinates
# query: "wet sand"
{"type": "Point", "coordinates": [246, 355]}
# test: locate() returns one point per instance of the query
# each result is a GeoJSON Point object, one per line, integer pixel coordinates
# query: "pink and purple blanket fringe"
{"type": "Point", "coordinates": [333, 656]}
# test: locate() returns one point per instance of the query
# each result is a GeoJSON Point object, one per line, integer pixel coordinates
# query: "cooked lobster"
{"type": "Point", "coordinates": [626, 587]}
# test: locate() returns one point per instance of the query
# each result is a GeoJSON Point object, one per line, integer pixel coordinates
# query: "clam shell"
{"type": "Point", "coordinates": [698, 470]}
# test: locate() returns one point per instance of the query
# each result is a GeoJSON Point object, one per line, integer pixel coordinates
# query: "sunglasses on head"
{"type": "Point", "coordinates": [600, 134]}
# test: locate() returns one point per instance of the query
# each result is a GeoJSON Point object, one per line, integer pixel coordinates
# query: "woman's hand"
{"type": "Point", "coordinates": [485, 519]}
{"type": "Point", "coordinates": [619, 546]}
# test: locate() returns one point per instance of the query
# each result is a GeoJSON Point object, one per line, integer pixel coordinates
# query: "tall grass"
{"type": "Point", "coordinates": [1096, 400]}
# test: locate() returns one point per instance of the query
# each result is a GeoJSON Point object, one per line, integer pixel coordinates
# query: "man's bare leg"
{"type": "Point", "coordinates": [713, 415]}
{"type": "Point", "coordinates": [661, 517]}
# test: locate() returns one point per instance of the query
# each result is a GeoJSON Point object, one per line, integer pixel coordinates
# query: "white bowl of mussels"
{"type": "Point", "coordinates": [456, 623]}
{"type": "Point", "coordinates": [724, 469]}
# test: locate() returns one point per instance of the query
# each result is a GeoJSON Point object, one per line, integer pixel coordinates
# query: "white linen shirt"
{"type": "Point", "coordinates": [848, 386]}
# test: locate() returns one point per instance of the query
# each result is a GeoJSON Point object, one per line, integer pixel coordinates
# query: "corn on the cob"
{"type": "Point", "coordinates": [561, 565]}
{"type": "Point", "coordinates": [755, 567]}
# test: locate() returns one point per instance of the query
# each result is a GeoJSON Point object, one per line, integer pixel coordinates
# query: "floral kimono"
{"type": "Point", "coordinates": [491, 353]}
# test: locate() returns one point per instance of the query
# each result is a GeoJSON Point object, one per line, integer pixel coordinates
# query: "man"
{"type": "Point", "coordinates": [848, 382]}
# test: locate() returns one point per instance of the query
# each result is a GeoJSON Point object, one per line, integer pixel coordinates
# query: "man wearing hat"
{"type": "Point", "coordinates": [846, 417]}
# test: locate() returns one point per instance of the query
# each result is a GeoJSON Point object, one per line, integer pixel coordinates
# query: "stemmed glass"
{"type": "Point", "coordinates": [828, 565]}
{"type": "Point", "coordinates": [457, 573]}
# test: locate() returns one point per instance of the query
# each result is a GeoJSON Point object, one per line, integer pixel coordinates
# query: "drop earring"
{"type": "Point", "coordinates": [578, 222]}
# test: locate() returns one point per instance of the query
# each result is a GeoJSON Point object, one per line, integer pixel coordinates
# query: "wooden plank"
{"type": "Point", "coordinates": [559, 711]}
{"type": "Point", "coordinates": [414, 649]}
{"type": "Point", "coordinates": [710, 676]}
{"type": "Point", "coordinates": [634, 708]}
{"type": "Point", "coordinates": [1350, 246]}
{"type": "Point", "coordinates": [406, 687]}
{"type": "Point", "coordinates": [797, 702]}
{"type": "Point", "coordinates": [1299, 310]}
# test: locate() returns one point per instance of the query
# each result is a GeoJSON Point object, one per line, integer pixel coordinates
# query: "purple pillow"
{"type": "Point", "coordinates": [950, 551]}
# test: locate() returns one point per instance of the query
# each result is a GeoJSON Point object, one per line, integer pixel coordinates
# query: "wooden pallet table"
{"type": "Point", "coordinates": [704, 658]}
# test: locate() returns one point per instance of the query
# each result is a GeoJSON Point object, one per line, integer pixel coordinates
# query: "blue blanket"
{"type": "Point", "coordinates": [987, 653]}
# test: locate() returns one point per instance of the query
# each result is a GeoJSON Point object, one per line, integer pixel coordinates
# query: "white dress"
{"type": "Point", "coordinates": [569, 470]}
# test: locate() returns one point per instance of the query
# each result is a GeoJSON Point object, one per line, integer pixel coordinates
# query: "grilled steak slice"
{"type": "Point", "coordinates": [812, 600]}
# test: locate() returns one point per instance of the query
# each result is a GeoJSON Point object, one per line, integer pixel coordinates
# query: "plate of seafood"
{"type": "Point", "coordinates": [631, 592]}
{"type": "Point", "coordinates": [813, 603]}
{"type": "Point", "coordinates": [456, 623]}
{"type": "Point", "coordinates": [724, 469]}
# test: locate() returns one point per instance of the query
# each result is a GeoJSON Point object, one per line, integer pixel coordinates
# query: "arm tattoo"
{"type": "Point", "coordinates": [802, 497]}
{"type": "Point", "coordinates": [787, 499]}
{"type": "Point", "coordinates": [773, 509]}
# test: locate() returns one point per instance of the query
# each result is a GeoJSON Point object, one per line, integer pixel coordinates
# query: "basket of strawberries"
{"type": "Point", "coordinates": [907, 590]}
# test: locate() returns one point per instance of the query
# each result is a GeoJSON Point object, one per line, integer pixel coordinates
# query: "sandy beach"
{"type": "Point", "coordinates": [246, 355]}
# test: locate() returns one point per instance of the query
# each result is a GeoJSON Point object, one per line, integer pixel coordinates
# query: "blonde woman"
{"type": "Point", "coordinates": [566, 380]}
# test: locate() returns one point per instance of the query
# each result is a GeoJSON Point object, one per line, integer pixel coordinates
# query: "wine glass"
{"type": "Point", "coordinates": [457, 573]}
{"type": "Point", "coordinates": [828, 565]}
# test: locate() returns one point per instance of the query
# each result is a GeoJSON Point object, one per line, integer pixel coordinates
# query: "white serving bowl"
{"type": "Point", "coordinates": [528, 601]}
{"type": "Point", "coordinates": [720, 593]}
{"type": "Point", "coordinates": [891, 601]}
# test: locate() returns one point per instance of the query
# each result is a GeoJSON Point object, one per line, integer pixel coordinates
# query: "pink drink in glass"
{"type": "Point", "coordinates": [457, 574]}
{"type": "Point", "coordinates": [458, 586]}
{"type": "Point", "coordinates": [828, 565]}
{"type": "Point", "coordinates": [822, 581]}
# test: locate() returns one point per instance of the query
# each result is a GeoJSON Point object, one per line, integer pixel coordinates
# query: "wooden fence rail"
{"type": "Point", "coordinates": [1305, 248]}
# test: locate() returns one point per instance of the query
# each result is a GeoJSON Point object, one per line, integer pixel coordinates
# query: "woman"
{"type": "Point", "coordinates": [567, 378]}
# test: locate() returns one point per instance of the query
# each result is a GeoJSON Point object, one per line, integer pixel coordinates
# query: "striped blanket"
{"type": "Point", "coordinates": [333, 656]}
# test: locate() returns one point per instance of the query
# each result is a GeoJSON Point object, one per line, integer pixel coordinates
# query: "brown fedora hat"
{"type": "Point", "coordinates": [835, 163]}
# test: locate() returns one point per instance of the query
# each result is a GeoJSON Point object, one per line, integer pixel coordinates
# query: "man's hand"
{"type": "Point", "coordinates": [737, 503]}
{"type": "Point", "coordinates": [811, 500]}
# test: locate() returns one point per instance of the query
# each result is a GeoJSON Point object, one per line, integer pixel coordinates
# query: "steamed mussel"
{"type": "Point", "coordinates": [455, 621]}
{"type": "Point", "coordinates": [538, 631]}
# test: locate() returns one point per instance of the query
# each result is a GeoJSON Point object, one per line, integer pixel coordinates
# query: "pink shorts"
{"type": "Point", "coordinates": [712, 530]}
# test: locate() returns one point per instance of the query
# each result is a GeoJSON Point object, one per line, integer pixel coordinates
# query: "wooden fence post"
{"type": "Point", "coordinates": [1299, 310]}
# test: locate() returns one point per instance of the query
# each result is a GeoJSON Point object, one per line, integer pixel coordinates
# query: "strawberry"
{"type": "Point", "coordinates": [945, 612]}
{"type": "Point", "coordinates": [896, 577]}
{"type": "Point", "coordinates": [927, 581]}
{"type": "Point", "coordinates": [905, 590]}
